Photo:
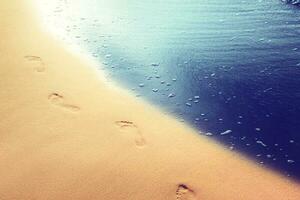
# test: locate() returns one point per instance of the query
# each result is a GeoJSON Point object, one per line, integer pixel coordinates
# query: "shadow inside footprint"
{"type": "Point", "coordinates": [39, 65]}
{"type": "Point", "coordinates": [58, 100]}
{"type": "Point", "coordinates": [131, 128]}
{"type": "Point", "coordinates": [183, 192]}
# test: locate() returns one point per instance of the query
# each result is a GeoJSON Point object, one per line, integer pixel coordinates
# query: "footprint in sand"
{"type": "Point", "coordinates": [58, 100]}
{"type": "Point", "coordinates": [183, 192]}
{"type": "Point", "coordinates": [131, 128]}
{"type": "Point", "coordinates": [39, 65]}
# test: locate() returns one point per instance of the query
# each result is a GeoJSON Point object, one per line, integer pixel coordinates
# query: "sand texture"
{"type": "Point", "coordinates": [66, 134]}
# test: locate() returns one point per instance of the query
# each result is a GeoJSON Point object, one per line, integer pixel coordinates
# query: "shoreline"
{"type": "Point", "coordinates": [67, 134]}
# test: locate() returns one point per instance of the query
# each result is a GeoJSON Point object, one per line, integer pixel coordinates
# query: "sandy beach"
{"type": "Point", "coordinates": [65, 133]}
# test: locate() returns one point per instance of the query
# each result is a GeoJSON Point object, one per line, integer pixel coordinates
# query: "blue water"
{"type": "Point", "coordinates": [230, 68]}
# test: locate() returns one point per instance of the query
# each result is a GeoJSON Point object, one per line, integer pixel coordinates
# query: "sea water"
{"type": "Point", "coordinates": [230, 68]}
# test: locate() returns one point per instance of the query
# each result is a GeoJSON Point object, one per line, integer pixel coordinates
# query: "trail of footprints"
{"type": "Point", "coordinates": [37, 62]}
{"type": "Point", "coordinates": [131, 128]}
{"type": "Point", "coordinates": [183, 192]}
{"type": "Point", "coordinates": [58, 100]}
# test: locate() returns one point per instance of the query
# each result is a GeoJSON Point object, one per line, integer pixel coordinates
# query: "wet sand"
{"type": "Point", "coordinates": [65, 133]}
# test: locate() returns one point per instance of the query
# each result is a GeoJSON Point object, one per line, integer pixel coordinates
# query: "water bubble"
{"type": "Point", "coordinates": [155, 90]}
{"type": "Point", "coordinates": [188, 104]}
{"type": "Point", "coordinates": [261, 143]}
{"type": "Point", "coordinates": [268, 89]}
{"type": "Point", "coordinates": [197, 97]}
{"type": "Point", "coordinates": [171, 95]}
{"type": "Point", "coordinates": [141, 85]}
{"type": "Point", "coordinates": [226, 132]}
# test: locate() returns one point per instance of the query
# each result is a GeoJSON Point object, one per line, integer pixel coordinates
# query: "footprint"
{"type": "Point", "coordinates": [131, 128]}
{"type": "Point", "coordinates": [183, 192]}
{"type": "Point", "coordinates": [58, 100]}
{"type": "Point", "coordinates": [39, 65]}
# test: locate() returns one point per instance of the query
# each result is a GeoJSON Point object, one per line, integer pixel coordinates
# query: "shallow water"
{"type": "Point", "coordinates": [229, 68]}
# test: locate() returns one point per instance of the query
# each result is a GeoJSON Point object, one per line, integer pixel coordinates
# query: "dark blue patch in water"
{"type": "Point", "coordinates": [293, 2]}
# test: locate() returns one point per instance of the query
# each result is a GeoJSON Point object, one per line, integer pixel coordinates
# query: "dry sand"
{"type": "Point", "coordinates": [66, 134]}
